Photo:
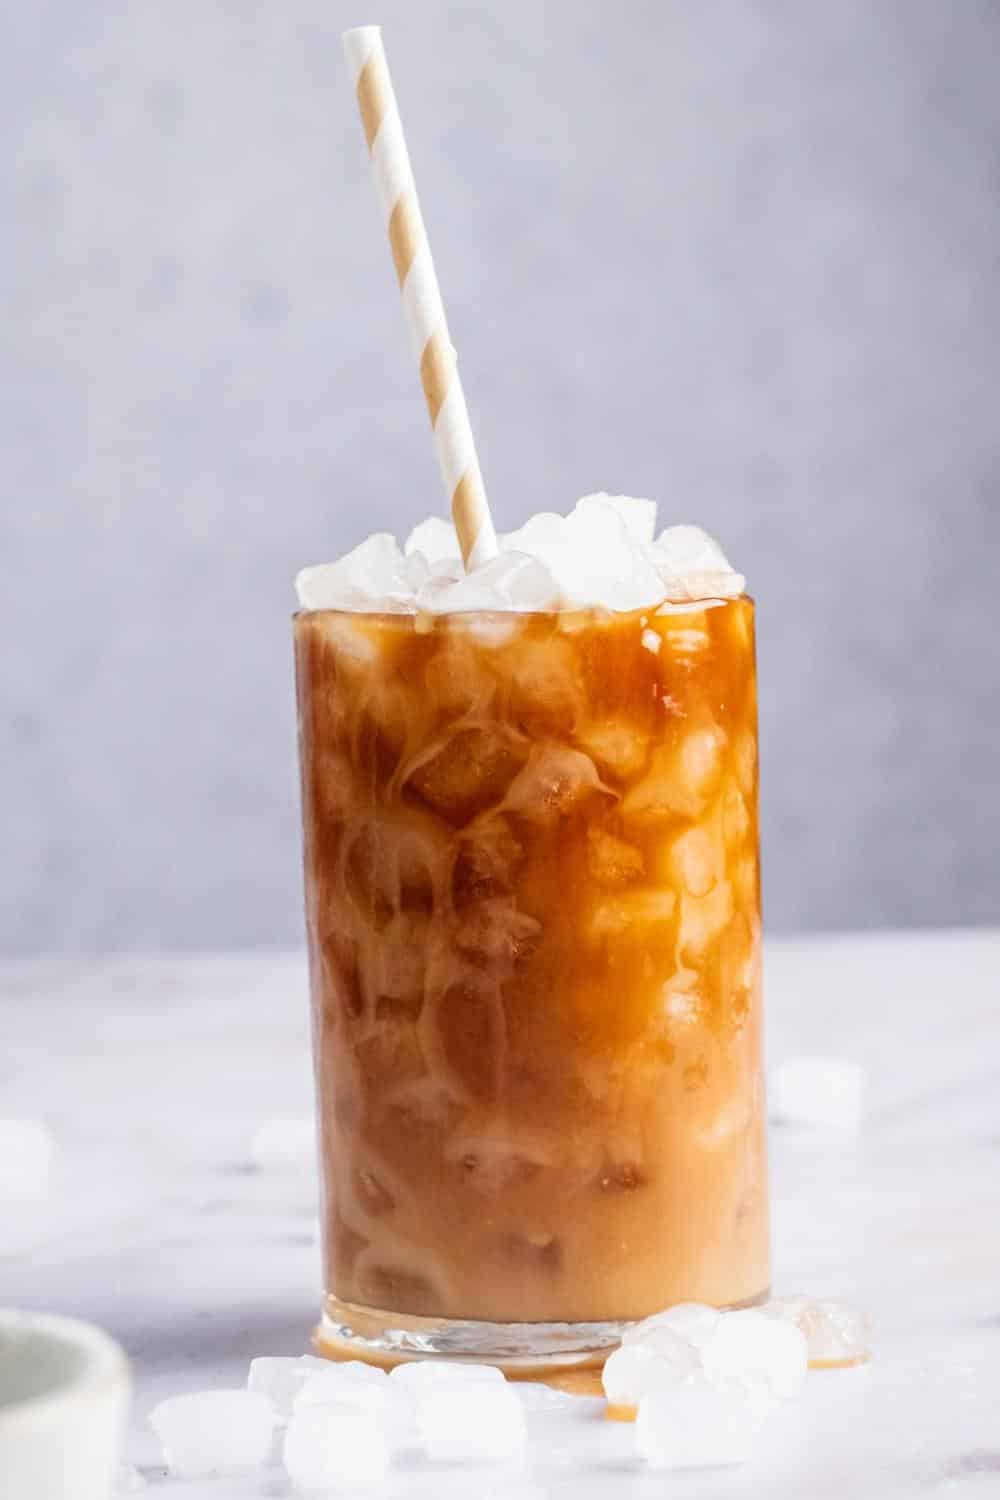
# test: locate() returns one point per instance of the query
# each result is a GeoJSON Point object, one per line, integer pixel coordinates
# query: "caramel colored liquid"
{"type": "Point", "coordinates": [534, 926]}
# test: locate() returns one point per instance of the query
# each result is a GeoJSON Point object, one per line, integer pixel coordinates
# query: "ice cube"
{"type": "Point", "coordinates": [660, 1361]}
{"type": "Point", "coordinates": [699, 860]}
{"type": "Point", "coordinates": [490, 1159]}
{"type": "Point", "coordinates": [735, 817]}
{"type": "Point", "coordinates": [547, 691]}
{"type": "Point", "coordinates": [536, 1397]}
{"type": "Point", "coordinates": [651, 641]}
{"type": "Point", "coordinates": [685, 549]}
{"type": "Point", "coordinates": [214, 1432]}
{"type": "Point", "coordinates": [601, 555]}
{"type": "Point", "coordinates": [697, 1426]}
{"type": "Point", "coordinates": [836, 1333]}
{"type": "Point", "coordinates": [555, 780]}
{"type": "Point", "coordinates": [457, 677]}
{"type": "Point", "coordinates": [637, 516]}
{"type": "Point", "coordinates": [463, 772]}
{"type": "Point", "coordinates": [610, 860]}
{"type": "Point", "coordinates": [284, 1142]}
{"type": "Point", "coordinates": [352, 1382]}
{"type": "Point", "coordinates": [351, 642]}
{"type": "Point", "coordinates": [417, 571]}
{"type": "Point", "coordinates": [27, 1151]}
{"type": "Point", "coordinates": [693, 565]}
{"type": "Point", "coordinates": [591, 558]}
{"type": "Point", "coordinates": [682, 1004]}
{"type": "Point", "coordinates": [398, 961]}
{"type": "Point", "coordinates": [335, 1447]}
{"type": "Point", "coordinates": [693, 1322]}
{"type": "Point", "coordinates": [440, 579]}
{"type": "Point", "coordinates": [280, 1378]}
{"type": "Point", "coordinates": [541, 536]}
{"type": "Point", "coordinates": [487, 855]}
{"type": "Point", "coordinates": [750, 1348]}
{"type": "Point", "coordinates": [614, 745]}
{"type": "Point", "coordinates": [745, 760]}
{"type": "Point", "coordinates": [464, 1421]}
{"type": "Point", "coordinates": [685, 630]}
{"type": "Point", "coordinates": [510, 581]}
{"type": "Point", "coordinates": [822, 1091]}
{"type": "Point", "coordinates": [632, 909]}
{"type": "Point", "coordinates": [373, 577]}
{"type": "Point", "coordinates": [416, 1375]}
{"type": "Point", "coordinates": [436, 539]}
{"type": "Point", "coordinates": [680, 780]}
{"type": "Point", "coordinates": [703, 919]}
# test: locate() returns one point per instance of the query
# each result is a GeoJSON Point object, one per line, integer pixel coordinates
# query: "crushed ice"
{"type": "Point", "coordinates": [603, 554]}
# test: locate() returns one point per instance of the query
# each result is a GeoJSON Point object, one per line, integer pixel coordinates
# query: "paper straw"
{"type": "Point", "coordinates": [421, 295]}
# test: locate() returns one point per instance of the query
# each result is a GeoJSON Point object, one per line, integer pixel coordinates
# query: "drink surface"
{"type": "Point", "coordinates": [534, 924]}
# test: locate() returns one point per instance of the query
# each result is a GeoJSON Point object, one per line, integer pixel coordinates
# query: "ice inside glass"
{"type": "Point", "coordinates": [532, 894]}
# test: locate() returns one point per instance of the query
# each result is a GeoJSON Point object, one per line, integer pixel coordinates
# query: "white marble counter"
{"type": "Point", "coordinates": [154, 1073]}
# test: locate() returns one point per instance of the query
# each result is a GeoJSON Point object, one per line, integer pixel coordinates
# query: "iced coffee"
{"type": "Point", "coordinates": [532, 894]}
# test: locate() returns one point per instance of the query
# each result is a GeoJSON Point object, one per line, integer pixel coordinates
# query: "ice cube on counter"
{"type": "Point", "coordinates": [335, 1447]}
{"type": "Point", "coordinates": [821, 1091]}
{"type": "Point", "coordinates": [352, 1383]}
{"type": "Point", "coordinates": [283, 1142]}
{"type": "Point", "coordinates": [698, 1426]}
{"type": "Point", "coordinates": [27, 1152]}
{"type": "Point", "coordinates": [214, 1432]}
{"type": "Point", "coordinates": [694, 1322]}
{"type": "Point", "coordinates": [535, 1397]}
{"type": "Point", "coordinates": [466, 1421]}
{"type": "Point", "coordinates": [416, 1375]}
{"type": "Point", "coordinates": [836, 1333]}
{"type": "Point", "coordinates": [660, 1361]}
{"type": "Point", "coordinates": [749, 1348]}
{"type": "Point", "coordinates": [280, 1378]}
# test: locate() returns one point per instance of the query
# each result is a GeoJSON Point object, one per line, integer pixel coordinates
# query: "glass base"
{"type": "Point", "coordinates": [347, 1331]}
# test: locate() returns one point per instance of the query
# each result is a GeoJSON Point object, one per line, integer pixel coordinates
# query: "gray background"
{"type": "Point", "coordinates": [740, 255]}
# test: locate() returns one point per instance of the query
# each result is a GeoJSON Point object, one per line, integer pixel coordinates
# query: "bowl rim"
{"type": "Point", "coordinates": [104, 1368]}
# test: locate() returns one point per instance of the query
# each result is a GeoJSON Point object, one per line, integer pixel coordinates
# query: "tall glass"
{"type": "Point", "coordinates": [532, 894]}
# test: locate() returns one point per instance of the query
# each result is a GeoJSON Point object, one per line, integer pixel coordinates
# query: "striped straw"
{"type": "Point", "coordinates": [421, 295]}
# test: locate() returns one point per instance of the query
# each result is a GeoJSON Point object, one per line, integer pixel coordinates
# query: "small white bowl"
{"type": "Point", "coordinates": [64, 1391]}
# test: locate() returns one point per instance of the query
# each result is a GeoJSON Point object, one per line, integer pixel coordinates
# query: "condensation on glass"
{"type": "Point", "coordinates": [532, 893]}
